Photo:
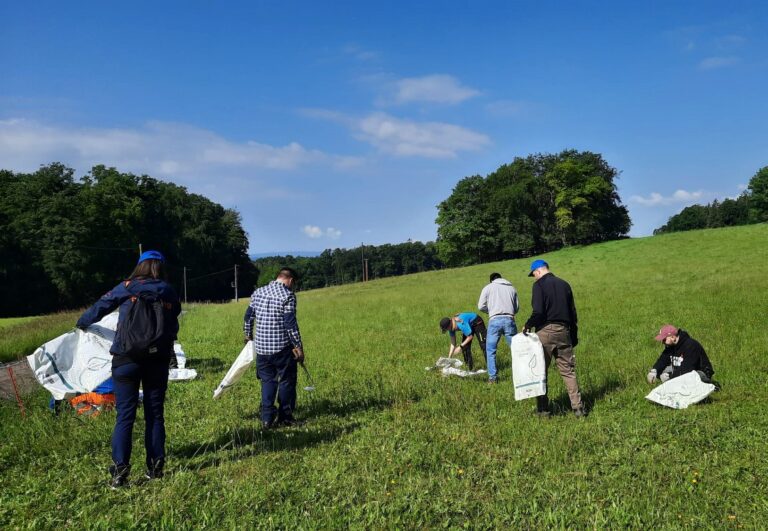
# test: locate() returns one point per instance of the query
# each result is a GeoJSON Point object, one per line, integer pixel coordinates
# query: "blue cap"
{"type": "Point", "coordinates": [151, 255]}
{"type": "Point", "coordinates": [537, 264]}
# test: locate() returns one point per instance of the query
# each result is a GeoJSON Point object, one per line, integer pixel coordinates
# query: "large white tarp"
{"type": "Point", "coordinates": [78, 362]}
{"type": "Point", "coordinates": [681, 392]}
{"type": "Point", "coordinates": [241, 365]}
{"type": "Point", "coordinates": [75, 362]}
{"type": "Point", "coordinates": [529, 371]}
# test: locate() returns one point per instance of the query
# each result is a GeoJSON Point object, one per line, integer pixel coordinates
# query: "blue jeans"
{"type": "Point", "coordinates": [153, 377]}
{"type": "Point", "coordinates": [278, 378]}
{"type": "Point", "coordinates": [496, 327]}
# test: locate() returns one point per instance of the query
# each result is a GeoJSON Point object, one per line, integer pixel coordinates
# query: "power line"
{"type": "Point", "coordinates": [211, 274]}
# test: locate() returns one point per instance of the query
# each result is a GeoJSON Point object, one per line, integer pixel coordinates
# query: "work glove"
{"type": "Point", "coordinates": [651, 377]}
{"type": "Point", "coordinates": [664, 376]}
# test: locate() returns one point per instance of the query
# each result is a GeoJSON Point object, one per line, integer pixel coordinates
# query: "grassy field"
{"type": "Point", "coordinates": [388, 445]}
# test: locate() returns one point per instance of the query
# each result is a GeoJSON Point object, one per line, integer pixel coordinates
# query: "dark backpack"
{"type": "Point", "coordinates": [143, 326]}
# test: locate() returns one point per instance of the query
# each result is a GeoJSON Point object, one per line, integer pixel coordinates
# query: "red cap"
{"type": "Point", "coordinates": [665, 332]}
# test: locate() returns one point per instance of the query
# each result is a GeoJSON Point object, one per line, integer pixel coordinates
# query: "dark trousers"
{"type": "Point", "coordinates": [479, 332]}
{"type": "Point", "coordinates": [153, 377]}
{"type": "Point", "coordinates": [278, 378]}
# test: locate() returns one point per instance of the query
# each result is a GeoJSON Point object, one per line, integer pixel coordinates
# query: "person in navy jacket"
{"type": "Point", "coordinates": [149, 371]}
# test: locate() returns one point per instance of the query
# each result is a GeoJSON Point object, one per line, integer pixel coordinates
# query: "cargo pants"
{"type": "Point", "coordinates": [556, 340]}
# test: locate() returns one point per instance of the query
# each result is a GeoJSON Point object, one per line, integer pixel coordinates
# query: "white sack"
{"type": "Point", "coordinates": [75, 362]}
{"type": "Point", "coordinates": [681, 392]}
{"type": "Point", "coordinates": [241, 365]}
{"type": "Point", "coordinates": [181, 357]}
{"type": "Point", "coordinates": [529, 370]}
{"type": "Point", "coordinates": [450, 367]}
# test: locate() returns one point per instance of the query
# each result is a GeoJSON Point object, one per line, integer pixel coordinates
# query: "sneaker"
{"type": "Point", "coordinates": [119, 476]}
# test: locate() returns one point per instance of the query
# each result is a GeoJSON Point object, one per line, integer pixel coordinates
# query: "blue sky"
{"type": "Point", "coordinates": [328, 124]}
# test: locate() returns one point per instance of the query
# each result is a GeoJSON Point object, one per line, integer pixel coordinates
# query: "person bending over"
{"type": "Point", "coordinates": [470, 325]}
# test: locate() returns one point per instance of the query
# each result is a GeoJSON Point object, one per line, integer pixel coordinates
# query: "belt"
{"type": "Point", "coordinates": [501, 315]}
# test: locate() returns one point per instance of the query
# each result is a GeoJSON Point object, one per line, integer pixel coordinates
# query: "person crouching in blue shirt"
{"type": "Point", "coordinates": [148, 369]}
{"type": "Point", "coordinates": [470, 325]}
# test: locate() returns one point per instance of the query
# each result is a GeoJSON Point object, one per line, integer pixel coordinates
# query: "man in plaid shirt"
{"type": "Point", "coordinates": [277, 345]}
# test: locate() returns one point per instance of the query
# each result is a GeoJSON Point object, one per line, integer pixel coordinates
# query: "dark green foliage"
{"type": "Point", "coordinates": [758, 189]}
{"type": "Point", "coordinates": [535, 204]}
{"type": "Point", "coordinates": [65, 242]}
{"type": "Point", "coordinates": [342, 266]}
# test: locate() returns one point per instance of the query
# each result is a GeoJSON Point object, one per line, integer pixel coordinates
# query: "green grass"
{"type": "Point", "coordinates": [388, 445]}
{"type": "Point", "coordinates": [20, 336]}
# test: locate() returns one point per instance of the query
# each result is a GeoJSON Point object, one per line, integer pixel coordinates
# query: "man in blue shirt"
{"type": "Point", "coordinates": [470, 325]}
{"type": "Point", "coordinates": [278, 346]}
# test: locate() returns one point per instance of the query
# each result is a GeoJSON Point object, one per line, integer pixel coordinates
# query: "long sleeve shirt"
{"type": "Point", "coordinates": [273, 308]}
{"type": "Point", "coordinates": [499, 298]}
{"type": "Point", "coordinates": [552, 302]}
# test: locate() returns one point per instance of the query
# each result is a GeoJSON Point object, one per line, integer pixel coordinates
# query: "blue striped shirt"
{"type": "Point", "coordinates": [273, 307]}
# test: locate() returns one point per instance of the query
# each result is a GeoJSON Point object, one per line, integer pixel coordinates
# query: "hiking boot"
{"type": "Point", "coordinates": [580, 413]}
{"type": "Point", "coordinates": [119, 475]}
{"type": "Point", "coordinates": [155, 469]}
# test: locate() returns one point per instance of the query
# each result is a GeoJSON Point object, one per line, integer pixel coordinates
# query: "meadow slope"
{"type": "Point", "coordinates": [388, 445]}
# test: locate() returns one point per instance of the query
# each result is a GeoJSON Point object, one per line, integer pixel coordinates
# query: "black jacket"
{"type": "Point", "coordinates": [552, 302]}
{"type": "Point", "coordinates": [686, 356]}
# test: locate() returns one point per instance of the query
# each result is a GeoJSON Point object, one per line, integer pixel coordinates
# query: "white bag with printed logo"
{"type": "Point", "coordinates": [681, 392]}
{"type": "Point", "coordinates": [529, 371]}
{"type": "Point", "coordinates": [241, 365]}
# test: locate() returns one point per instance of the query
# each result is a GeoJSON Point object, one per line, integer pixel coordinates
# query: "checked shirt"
{"type": "Point", "coordinates": [273, 307]}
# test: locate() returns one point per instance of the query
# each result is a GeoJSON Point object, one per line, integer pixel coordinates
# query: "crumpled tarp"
{"type": "Point", "coordinates": [681, 392]}
{"type": "Point", "coordinates": [451, 367]}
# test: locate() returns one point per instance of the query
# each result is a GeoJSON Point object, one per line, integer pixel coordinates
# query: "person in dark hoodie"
{"type": "Point", "coordinates": [682, 354]}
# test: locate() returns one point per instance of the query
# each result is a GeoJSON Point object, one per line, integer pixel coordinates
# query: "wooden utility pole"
{"type": "Point", "coordinates": [140, 251]}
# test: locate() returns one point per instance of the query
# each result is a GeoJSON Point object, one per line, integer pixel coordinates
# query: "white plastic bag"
{"type": "Point", "coordinates": [451, 367]}
{"type": "Point", "coordinates": [241, 365]}
{"type": "Point", "coordinates": [681, 392]}
{"type": "Point", "coordinates": [529, 370]}
{"type": "Point", "coordinates": [181, 357]}
{"type": "Point", "coordinates": [178, 375]}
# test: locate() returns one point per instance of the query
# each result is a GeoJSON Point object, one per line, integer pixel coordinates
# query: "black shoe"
{"type": "Point", "coordinates": [290, 423]}
{"type": "Point", "coordinates": [580, 413]}
{"type": "Point", "coordinates": [542, 407]}
{"type": "Point", "coordinates": [268, 424]}
{"type": "Point", "coordinates": [119, 476]}
{"type": "Point", "coordinates": [543, 414]}
{"type": "Point", "coordinates": [155, 469]}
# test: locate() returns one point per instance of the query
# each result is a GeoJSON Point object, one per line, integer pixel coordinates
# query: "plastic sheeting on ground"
{"type": "Point", "coordinates": [241, 365]}
{"type": "Point", "coordinates": [451, 367]}
{"type": "Point", "coordinates": [681, 392]}
{"type": "Point", "coordinates": [529, 370]}
{"type": "Point", "coordinates": [181, 373]}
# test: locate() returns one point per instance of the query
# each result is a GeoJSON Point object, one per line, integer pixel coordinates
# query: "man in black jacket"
{"type": "Point", "coordinates": [682, 354]}
{"type": "Point", "coordinates": [556, 323]}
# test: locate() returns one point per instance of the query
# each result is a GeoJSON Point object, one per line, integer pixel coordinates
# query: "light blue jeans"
{"type": "Point", "coordinates": [497, 327]}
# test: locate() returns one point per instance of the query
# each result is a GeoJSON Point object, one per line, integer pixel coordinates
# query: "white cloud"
{"type": "Point", "coordinates": [157, 148]}
{"type": "Point", "coordinates": [436, 88]}
{"type": "Point", "coordinates": [315, 232]}
{"type": "Point", "coordinates": [678, 197]}
{"type": "Point", "coordinates": [712, 63]}
{"type": "Point", "coordinates": [312, 231]}
{"type": "Point", "coordinates": [359, 53]}
{"type": "Point", "coordinates": [406, 138]}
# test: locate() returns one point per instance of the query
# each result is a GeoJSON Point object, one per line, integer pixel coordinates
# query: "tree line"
{"type": "Point", "coordinates": [342, 266]}
{"type": "Point", "coordinates": [750, 207]}
{"type": "Point", "coordinates": [65, 241]}
{"type": "Point", "coordinates": [535, 204]}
